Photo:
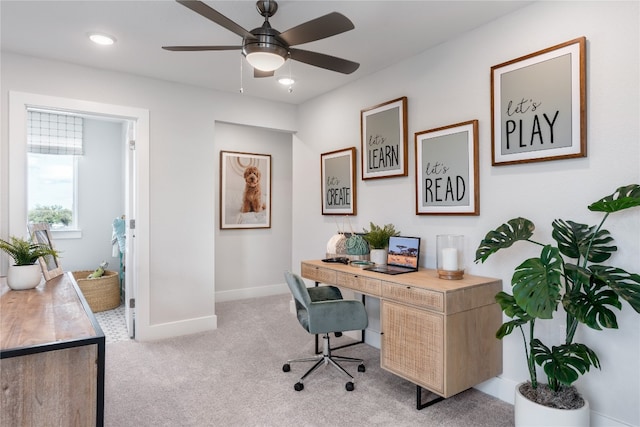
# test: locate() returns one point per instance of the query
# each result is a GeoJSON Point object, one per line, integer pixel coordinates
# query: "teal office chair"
{"type": "Point", "coordinates": [321, 310]}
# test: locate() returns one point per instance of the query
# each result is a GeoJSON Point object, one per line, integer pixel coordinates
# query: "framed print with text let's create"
{"type": "Point", "coordinates": [538, 106]}
{"type": "Point", "coordinates": [338, 186]}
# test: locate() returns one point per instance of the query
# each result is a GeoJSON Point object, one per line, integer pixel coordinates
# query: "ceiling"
{"type": "Point", "coordinates": [386, 32]}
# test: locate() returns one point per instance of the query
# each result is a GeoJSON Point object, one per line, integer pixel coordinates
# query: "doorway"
{"type": "Point", "coordinates": [136, 187]}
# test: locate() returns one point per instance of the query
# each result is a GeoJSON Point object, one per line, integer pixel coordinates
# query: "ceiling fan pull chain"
{"type": "Point", "coordinates": [241, 85]}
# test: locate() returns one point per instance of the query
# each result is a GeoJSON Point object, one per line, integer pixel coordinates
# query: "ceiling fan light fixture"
{"type": "Point", "coordinates": [265, 61]}
{"type": "Point", "coordinates": [286, 81]}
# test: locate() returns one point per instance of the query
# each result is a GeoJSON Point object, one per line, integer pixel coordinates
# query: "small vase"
{"type": "Point", "coordinates": [21, 277]}
{"type": "Point", "coordinates": [530, 414]}
{"type": "Point", "coordinates": [378, 256]}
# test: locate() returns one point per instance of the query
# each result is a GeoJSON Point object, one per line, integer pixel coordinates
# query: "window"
{"type": "Point", "coordinates": [54, 143]}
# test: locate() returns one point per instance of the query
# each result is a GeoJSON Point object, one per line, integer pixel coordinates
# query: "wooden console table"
{"type": "Point", "coordinates": [52, 356]}
{"type": "Point", "coordinates": [438, 334]}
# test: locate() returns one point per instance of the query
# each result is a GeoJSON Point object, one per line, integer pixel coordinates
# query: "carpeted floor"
{"type": "Point", "coordinates": [233, 377]}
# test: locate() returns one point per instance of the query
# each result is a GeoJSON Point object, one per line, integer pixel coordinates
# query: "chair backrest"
{"type": "Point", "coordinates": [298, 289]}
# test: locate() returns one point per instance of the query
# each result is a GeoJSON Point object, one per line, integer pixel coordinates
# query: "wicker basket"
{"type": "Point", "coordinates": [102, 293]}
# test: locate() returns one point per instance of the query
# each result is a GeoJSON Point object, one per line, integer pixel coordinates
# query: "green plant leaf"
{"type": "Point", "coordinates": [592, 307]}
{"type": "Point", "coordinates": [511, 309]}
{"type": "Point", "coordinates": [623, 198]}
{"type": "Point", "coordinates": [565, 363]}
{"type": "Point", "coordinates": [504, 236]}
{"type": "Point", "coordinates": [625, 285]}
{"type": "Point", "coordinates": [536, 283]}
{"type": "Point", "coordinates": [574, 239]}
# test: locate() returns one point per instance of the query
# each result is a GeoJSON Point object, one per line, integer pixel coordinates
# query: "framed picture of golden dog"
{"type": "Point", "coordinates": [245, 190]}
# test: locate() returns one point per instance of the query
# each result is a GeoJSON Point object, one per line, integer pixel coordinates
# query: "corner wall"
{"type": "Point", "coordinates": [450, 84]}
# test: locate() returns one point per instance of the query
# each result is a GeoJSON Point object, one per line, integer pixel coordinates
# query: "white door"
{"type": "Point", "coordinates": [130, 279]}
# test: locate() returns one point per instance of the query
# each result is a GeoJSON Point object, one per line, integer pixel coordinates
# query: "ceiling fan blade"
{"type": "Point", "coordinates": [324, 61]}
{"type": "Point", "coordinates": [198, 48]}
{"type": "Point", "coordinates": [215, 16]}
{"type": "Point", "coordinates": [259, 74]}
{"type": "Point", "coordinates": [317, 29]}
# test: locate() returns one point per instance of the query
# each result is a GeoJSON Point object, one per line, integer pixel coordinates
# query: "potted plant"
{"type": "Point", "coordinates": [568, 276]}
{"type": "Point", "coordinates": [378, 239]}
{"type": "Point", "coordinates": [24, 273]}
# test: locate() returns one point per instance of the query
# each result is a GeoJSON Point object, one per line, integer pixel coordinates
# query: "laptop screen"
{"type": "Point", "coordinates": [404, 251]}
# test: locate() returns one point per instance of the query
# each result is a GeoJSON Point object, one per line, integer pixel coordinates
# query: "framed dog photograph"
{"type": "Point", "coordinates": [339, 182]}
{"type": "Point", "coordinates": [245, 190]}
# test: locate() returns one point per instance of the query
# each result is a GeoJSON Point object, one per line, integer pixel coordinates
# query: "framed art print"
{"type": "Point", "coordinates": [447, 170]}
{"type": "Point", "coordinates": [41, 234]}
{"type": "Point", "coordinates": [338, 186]}
{"type": "Point", "coordinates": [245, 190]}
{"type": "Point", "coordinates": [538, 106]}
{"type": "Point", "coordinates": [383, 131]}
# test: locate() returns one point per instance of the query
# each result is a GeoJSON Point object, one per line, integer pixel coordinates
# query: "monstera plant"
{"type": "Point", "coordinates": [567, 276]}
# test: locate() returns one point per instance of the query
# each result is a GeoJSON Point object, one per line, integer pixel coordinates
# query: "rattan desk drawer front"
{"type": "Point", "coordinates": [366, 285]}
{"type": "Point", "coordinates": [414, 296]}
{"type": "Point", "coordinates": [322, 275]}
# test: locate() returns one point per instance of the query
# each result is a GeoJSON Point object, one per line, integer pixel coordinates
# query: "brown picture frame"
{"type": "Point", "coordinates": [447, 175]}
{"type": "Point", "coordinates": [538, 106]}
{"type": "Point", "coordinates": [338, 182]}
{"type": "Point", "coordinates": [245, 190]}
{"type": "Point", "coordinates": [383, 138]}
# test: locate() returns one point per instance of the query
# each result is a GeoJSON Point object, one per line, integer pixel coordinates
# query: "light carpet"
{"type": "Point", "coordinates": [233, 377]}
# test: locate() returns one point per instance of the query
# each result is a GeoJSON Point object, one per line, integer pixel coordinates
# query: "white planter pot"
{"type": "Point", "coordinates": [531, 414]}
{"type": "Point", "coordinates": [379, 256]}
{"type": "Point", "coordinates": [21, 277]}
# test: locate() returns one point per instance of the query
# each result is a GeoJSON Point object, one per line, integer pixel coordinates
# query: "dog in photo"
{"type": "Point", "coordinates": [252, 196]}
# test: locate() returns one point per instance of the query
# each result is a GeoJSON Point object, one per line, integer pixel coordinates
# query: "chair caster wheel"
{"type": "Point", "coordinates": [361, 368]}
{"type": "Point", "coordinates": [337, 334]}
{"type": "Point", "coordinates": [286, 367]}
{"type": "Point", "coordinates": [298, 386]}
{"type": "Point", "coordinates": [349, 386]}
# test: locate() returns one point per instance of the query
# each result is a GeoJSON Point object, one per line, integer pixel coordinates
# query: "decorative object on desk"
{"type": "Point", "coordinates": [337, 244]}
{"type": "Point", "coordinates": [245, 190]}
{"type": "Point", "coordinates": [362, 263]}
{"type": "Point", "coordinates": [447, 178]}
{"type": "Point", "coordinates": [378, 239]}
{"type": "Point", "coordinates": [538, 105]}
{"type": "Point", "coordinates": [586, 291]}
{"type": "Point", "coordinates": [40, 233]}
{"type": "Point", "coordinates": [356, 244]}
{"type": "Point", "coordinates": [24, 273]}
{"type": "Point", "coordinates": [102, 293]}
{"type": "Point", "coordinates": [338, 182]}
{"type": "Point", "coordinates": [450, 256]}
{"type": "Point", "coordinates": [383, 130]}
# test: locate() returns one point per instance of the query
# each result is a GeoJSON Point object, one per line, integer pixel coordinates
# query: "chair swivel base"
{"type": "Point", "coordinates": [324, 359]}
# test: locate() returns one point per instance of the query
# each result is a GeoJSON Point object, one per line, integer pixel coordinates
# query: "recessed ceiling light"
{"type": "Point", "coordinates": [286, 81]}
{"type": "Point", "coordinates": [102, 39]}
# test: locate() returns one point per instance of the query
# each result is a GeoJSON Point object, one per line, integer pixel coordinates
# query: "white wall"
{"type": "Point", "coordinates": [450, 84]}
{"type": "Point", "coordinates": [251, 262]}
{"type": "Point", "coordinates": [100, 197]}
{"type": "Point", "coordinates": [182, 173]}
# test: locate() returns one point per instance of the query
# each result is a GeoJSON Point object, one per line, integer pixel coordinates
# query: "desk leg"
{"type": "Point", "coordinates": [318, 351]}
{"type": "Point", "coordinates": [420, 405]}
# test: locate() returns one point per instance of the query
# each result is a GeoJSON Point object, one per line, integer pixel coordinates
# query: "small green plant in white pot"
{"type": "Point", "coordinates": [378, 239]}
{"type": "Point", "coordinates": [24, 273]}
{"type": "Point", "coordinates": [567, 276]}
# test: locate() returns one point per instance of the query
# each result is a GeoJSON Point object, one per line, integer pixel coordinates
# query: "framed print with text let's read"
{"type": "Point", "coordinates": [538, 106]}
{"type": "Point", "coordinates": [245, 190]}
{"type": "Point", "coordinates": [338, 184]}
{"type": "Point", "coordinates": [383, 131]}
{"type": "Point", "coordinates": [447, 170]}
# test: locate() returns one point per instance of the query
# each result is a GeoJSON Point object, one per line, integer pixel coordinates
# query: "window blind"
{"type": "Point", "coordinates": [54, 133]}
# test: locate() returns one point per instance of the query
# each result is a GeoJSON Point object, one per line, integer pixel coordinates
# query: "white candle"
{"type": "Point", "coordinates": [450, 259]}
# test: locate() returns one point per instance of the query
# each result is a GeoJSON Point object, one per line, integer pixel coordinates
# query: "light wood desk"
{"type": "Point", "coordinates": [438, 334]}
{"type": "Point", "coordinates": [51, 357]}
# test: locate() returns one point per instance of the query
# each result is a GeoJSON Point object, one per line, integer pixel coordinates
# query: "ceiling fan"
{"type": "Point", "coordinates": [266, 49]}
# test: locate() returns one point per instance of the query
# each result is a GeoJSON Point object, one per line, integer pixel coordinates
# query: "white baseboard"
{"type": "Point", "coordinates": [246, 293]}
{"type": "Point", "coordinates": [174, 329]}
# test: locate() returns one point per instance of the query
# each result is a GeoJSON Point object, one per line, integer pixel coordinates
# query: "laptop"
{"type": "Point", "coordinates": [402, 257]}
